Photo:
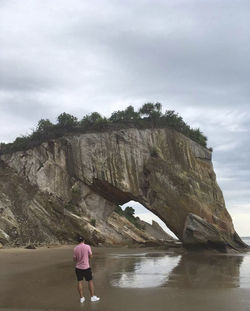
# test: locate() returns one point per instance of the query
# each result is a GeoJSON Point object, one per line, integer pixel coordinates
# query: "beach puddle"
{"type": "Point", "coordinates": [187, 271]}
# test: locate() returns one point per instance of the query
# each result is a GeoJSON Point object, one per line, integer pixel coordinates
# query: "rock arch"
{"type": "Point", "coordinates": [169, 174]}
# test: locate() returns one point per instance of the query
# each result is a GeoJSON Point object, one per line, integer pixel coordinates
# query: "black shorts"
{"type": "Point", "coordinates": [86, 273]}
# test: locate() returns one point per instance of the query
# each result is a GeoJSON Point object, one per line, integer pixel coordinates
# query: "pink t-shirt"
{"type": "Point", "coordinates": [81, 255]}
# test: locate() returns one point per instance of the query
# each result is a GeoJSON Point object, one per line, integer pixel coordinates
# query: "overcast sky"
{"type": "Point", "coordinates": [79, 56]}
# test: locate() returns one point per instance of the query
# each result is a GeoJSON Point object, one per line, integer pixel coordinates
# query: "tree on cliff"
{"type": "Point", "coordinates": [129, 211]}
{"type": "Point", "coordinates": [93, 120]}
{"type": "Point", "coordinates": [129, 214]}
{"type": "Point", "coordinates": [128, 114]}
{"type": "Point", "coordinates": [152, 112]}
{"type": "Point", "coordinates": [148, 116]}
{"type": "Point", "coordinates": [66, 120]}
{"type": "Point", "coordinates": [44, 125]}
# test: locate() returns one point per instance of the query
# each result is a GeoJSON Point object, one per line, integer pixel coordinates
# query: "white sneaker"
{"type": "Point", "coordinates": [82, 300]}
{"type": "Point", "coordinates": [94, 298]}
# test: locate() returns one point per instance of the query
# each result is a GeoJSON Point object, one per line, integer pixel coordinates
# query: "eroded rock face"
{"type": "Point", "coordinates": [155, 230]}
{"type": "Point", "coordinates": [165, 171]}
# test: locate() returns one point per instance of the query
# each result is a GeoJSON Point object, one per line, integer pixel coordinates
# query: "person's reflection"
{"type": "Point", "coordinates": [206, 271]}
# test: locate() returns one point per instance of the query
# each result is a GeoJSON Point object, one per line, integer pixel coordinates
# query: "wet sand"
{"type": "Point", "coordinates": [125, 279]}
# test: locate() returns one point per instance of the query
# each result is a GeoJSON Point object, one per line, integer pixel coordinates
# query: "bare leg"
{"type": "Point", "coordinates": [80, 288]}
{"type": "Point", "coordinates": [91, 288]}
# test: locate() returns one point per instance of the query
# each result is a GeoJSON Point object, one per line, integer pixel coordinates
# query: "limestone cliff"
{"type": "Point", "coordinates": [87, 175]}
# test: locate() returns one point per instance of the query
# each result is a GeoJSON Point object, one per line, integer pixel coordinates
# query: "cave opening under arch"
{"type": "Point", "coordinates": [146, 215]}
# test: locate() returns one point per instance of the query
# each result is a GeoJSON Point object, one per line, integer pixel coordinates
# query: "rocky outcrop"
{"type": "Point", "coordinates": [156, 231]}
{"type": "Point", "coordinates": [168, 173]}
{"type": "Point", "coordinates": [31, 217]}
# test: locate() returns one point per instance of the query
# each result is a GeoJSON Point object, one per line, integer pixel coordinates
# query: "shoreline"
{"type": "Point", "coordinates": [173, 246]}
{"type": "Point", "coordinates": [44, 279]}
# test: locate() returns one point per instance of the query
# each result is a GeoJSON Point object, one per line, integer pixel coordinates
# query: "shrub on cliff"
{"type": "Point", "coordinates": [148, 116]}
{"type": "Point", "coordinates": [129, 214]}
{"type": "Point", "coordinates": [119, 210]}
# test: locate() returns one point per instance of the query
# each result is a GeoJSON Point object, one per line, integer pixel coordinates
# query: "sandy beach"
{"type": "Point", "coordinates": [125, 279]}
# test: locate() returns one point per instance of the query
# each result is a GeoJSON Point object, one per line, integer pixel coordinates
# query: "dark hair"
{"type": "Point", "coordinates": [80, 239]}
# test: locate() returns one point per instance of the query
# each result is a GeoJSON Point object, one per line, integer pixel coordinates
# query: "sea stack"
{"type": "Point", "coordinates": [168, 173]}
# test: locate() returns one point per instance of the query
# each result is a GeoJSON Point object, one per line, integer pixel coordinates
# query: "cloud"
{"type": "Point", "coordinates": [84, 56]}
{"type": "Point", "coordinates": [241, 221]}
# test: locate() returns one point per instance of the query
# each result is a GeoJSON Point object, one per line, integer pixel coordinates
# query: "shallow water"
{"type": "Point", "coordinates": [144, 270]}
{"type": "Point", "coordinates": [187, 271]}
{"type": "Point", "coordinates": [125, 279]}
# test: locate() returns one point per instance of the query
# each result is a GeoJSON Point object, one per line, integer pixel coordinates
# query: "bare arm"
{"type": "Point", "coordinates": [90, 252]}
{"type": "Point", "coordinates": [74, 256]}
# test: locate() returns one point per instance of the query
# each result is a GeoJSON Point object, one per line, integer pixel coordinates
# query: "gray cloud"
{"type": "Point", "coordinates": [193, 56]}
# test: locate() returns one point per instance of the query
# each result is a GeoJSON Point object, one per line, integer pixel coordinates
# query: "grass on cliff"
{"type": "Point", "coordinates": [148, 116]}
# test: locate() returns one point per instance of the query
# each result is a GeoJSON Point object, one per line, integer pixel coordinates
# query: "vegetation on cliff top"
{"type": "Point", "coordinates": [148, 116]}
{"type": "Point", "coordinates": [129, 214]}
